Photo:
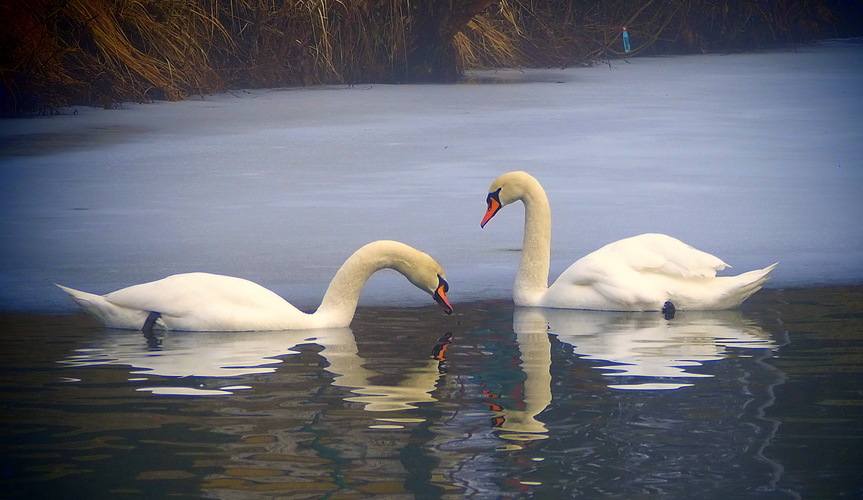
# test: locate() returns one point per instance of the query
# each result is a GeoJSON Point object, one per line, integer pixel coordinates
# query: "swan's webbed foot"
{"type": "Point", "coordinates": [150, 322]}
{"type": "Point", "coordinates": [668, 310]}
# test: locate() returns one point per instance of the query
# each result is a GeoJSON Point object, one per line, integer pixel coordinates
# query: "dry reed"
{"type": "Point", "coordinates": [59, 52]}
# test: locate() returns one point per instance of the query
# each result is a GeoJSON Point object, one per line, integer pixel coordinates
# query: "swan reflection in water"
{"type": "Point", "coordinates": [652, 357]}
{"type": "Point", "coordinates": [178, 355]}
{"type": "Point", "coordinates": [646, 345]}
{"type": "Point", "coordinates": [641, 345]}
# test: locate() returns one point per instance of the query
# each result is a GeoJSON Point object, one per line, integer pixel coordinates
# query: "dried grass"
{"type": "Point", "coordinates": [60, 52]}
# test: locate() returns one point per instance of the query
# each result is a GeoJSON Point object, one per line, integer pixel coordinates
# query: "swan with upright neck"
{"type": "Point", "coordinates": [212, 302]}
{"type": "Point", "coordinates": [641, 273]}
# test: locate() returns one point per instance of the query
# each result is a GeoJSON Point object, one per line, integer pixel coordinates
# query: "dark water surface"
{"type": "Point", "coordinates": [765, 402]}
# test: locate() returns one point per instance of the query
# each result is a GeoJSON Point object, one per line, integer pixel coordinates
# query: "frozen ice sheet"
{"type": "Point", "coordinates": [755, 158]}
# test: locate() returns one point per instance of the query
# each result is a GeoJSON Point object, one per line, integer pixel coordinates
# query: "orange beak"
{"type": "Point", "coordinates": [493, 201]}
{"type": "Point", "coordinates": [440, 295]}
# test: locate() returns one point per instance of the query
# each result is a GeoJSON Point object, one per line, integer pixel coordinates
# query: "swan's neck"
{"type": "Point", "coordinates": [340, 301]}
{"type": "Point", "coordinates": [532, 279]}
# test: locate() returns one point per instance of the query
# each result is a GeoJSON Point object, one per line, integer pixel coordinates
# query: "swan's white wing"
{"type": "Point", "coordinates": [182, 293]}
{"type": "Point", "coordinates": [664, 255]}
{"type": "Point", "coordinates": [633, 273]}
{"type": "Point", "coordinates": [646, 253]}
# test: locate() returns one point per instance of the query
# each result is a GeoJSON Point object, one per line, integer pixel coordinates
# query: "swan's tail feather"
{"type": "Point", "coordinates": [87, 301]}
{"type": "Point", "coordinates": [746, 284]}
{"type": "Point", "coordinates": [110, 315]}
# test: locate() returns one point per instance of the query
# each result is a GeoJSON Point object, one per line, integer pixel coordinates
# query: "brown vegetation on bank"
{"type": "Point", "coordinates": [54, 53]}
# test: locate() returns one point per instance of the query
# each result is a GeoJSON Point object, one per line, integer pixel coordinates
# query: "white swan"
{"type": "Point", "coordinates": [633, 274]}
{"type": "Point", "coordinates": [212, 302]}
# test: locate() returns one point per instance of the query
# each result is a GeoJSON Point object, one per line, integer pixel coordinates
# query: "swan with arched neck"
{"type": "Point", "coordinates": [213, 302]}
{"type": "Point", "coordinates": [640, 273]}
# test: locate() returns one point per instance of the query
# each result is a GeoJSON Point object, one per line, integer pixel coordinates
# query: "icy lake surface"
{"type": "Point", "coordinates": [755, 158]}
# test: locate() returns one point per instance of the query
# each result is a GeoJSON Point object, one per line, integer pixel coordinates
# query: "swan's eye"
{"type": "Point", "coordinates": [442, 283]}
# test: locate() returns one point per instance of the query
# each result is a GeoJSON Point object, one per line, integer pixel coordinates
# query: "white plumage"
{"type": "Point", "coordinates": [639, 273]}
{"type": "Point", "coordinates": [212, 302]}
